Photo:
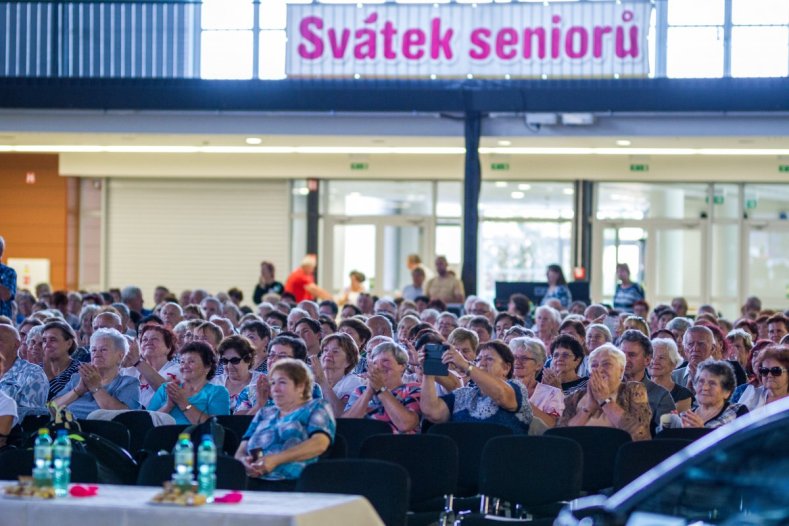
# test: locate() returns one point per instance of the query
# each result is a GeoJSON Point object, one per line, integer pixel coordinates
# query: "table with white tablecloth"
{"type": "Point", "coordinates": [130, 506]}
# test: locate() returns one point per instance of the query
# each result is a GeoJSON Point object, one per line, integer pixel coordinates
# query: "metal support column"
{"type": "Point", "coordinates": [585, 210]}
{"type": "Point", "coordinates": [313, 215]}
{"type": "Point", "coordinates": [472, 183]}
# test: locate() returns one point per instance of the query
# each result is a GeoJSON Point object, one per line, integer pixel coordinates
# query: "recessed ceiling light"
{"type": "Point", "coordinates": [518, 195]}
{"type": "Point", "coordinates": [501, 184]}
{"type": "Point", "coordinates": [623, 142]}
{"type": "Point", "coordinates": [254, 140]}
{"type": "Point", "coordinates": [505, 143]}
{"type": "Point", "coordinates": [524, 186]}
{"type": "Point", "coordinates": [568, 191]}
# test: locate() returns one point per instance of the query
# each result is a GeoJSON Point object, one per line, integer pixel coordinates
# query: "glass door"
{"type": "Point", "coordinates": [768, 262]}
{"type": "Point", "coordinates": [377, 247]}
{"type": "Point", "coordinates": [620, 242]}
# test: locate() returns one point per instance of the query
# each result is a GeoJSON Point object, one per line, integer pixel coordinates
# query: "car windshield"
{"type": "Point", "coordinates": [746, 483]}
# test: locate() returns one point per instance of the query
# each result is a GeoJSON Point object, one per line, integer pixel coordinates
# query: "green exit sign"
{"type": "Point", "coordinates": [639, 167]}
{"type": "Point", "coordinates": [359, 166]}
{"type": "Point", "coordinates": [783, 168]}
{"type": "Point", "coordinates": [499, 167]}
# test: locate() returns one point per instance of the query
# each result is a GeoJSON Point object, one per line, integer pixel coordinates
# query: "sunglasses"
{"type": "Point", "coordinates": [774, 371]}
{"type": "Point", "coordinates": [235, 361]}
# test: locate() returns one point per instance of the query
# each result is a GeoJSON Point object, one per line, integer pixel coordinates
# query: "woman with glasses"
{"type": "Point", "coordinates": [154, 362]}
{"type": "Point", "coordinates": [492, 396]}
{"type": "Point", "coordinates": [714, 383]}
{"type": "Point", "coordinates": [99, 384]}
{"type": "Point", "coordinates": [547, 401]}
{"type": "Point", "coordinates": [566, 357]}
{"type": "Point", "coordinates": [773, 369]}
{"type": "Point", "coordinates": [235, 357]}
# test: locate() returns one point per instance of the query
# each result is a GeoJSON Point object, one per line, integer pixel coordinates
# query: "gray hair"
{"type": "Point", "coordinates": [88, 311]}
{"type": "Point", "coordinates": [429, 313]}
{"type": "Point", "coordinates": [611, 350]}
{"type": "Point", "coordinates": [399, 354]}
{"type": "Point", "coordinates": [745, 335]}
{"type": "Point", "coordinates": [181, 327]}
{"type": "Point", "coordinates": [534, 347]}
{"type": "Point", "coordinates": [174, 304]}
{"type": "Point", "coordinates": [36, 330]}
{"type": "Point", "coordinates": [297, 313]}
{"type": "Point", "coordinates": [699, 328]}
{"type": "Point", "coordinates": [671, 347]}
{"type": "Point", "coordinates": [130, 292]}
{"type": "Point", "coordinates": [679, 324]}
{"type": "Point", "coordinates": [119, 341]}
{"type": "Point", "coordinates": [550, 310]}
{"type": "Point", "coordinates": [720, 368]}
{"type": "Point", "coordinates": [602, 328]}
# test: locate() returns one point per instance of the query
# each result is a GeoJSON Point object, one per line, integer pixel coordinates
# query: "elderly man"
{"type": "Point", "coordinates": [301, 282]}
{"type": "Point", "coordinates": [211, 307]}
{"type": "Point", "coordinates": [777, 327]}
{"type": "Point", "coordinates": [19, 379]}
{"type": "Point", "coordinates": [414, 289]}
{"type": "Point", "coordinates": [107, 320]}
{"type": "Point", "coordinates": [638, 354]}
{"type": "Point", "coordinates": [482, 307]}
{"type": "Point", "coordinates": [445, 286]}
{"type": "Point", "coordinates": [698, 343]}
{"type": "Point", "coordinates": [172, 314]}
{"type": "Point", "coordinates": [678, 326]}
{"type": "Point", "coordinates": [7, 284]}
{"type": "Point", "coordinates": [131, 296]}
{"type": "Point", "coordinates": [380, 326]}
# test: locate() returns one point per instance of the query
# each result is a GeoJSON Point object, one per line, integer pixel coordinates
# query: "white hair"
{"type": "Point", "coordinates": [119, 341]}
{"type": "Point", "coordinates": [602, 328]}
{"type": "Point", "coordinates": [557, 317]}
{"type": "Point", "coordinates": [533, 346]}
{"type": "Point", "coordinates": [611, 350]}
{"type": "Point", "coordinates": [671, 347]}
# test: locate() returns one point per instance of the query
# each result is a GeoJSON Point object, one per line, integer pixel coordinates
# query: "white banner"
{"type": "Point", "coordinates": [580, 40]}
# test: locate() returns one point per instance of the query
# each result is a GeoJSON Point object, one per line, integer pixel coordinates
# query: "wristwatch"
{"type": "Point", "coordinates": [470, 368]}
{"type": "Point", "coordinates": [602, 403]}
{"type": "Point", "coordinates": [381, 390]}
{"type": "Point", "coordinates": [187, 408]}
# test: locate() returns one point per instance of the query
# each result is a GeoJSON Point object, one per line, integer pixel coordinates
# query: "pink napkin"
{"type": "Point", "coordinates": [234, 497]}
{"type": "Point", "coordinates": [83, 491]}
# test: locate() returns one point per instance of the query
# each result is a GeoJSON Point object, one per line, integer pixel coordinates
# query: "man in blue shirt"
{"type": "Point", "coordinates": [7, 284]}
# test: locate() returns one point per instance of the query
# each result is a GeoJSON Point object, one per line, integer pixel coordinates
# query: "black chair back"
{"type": "Point", "coordinates": [600, 445]}
{"type": "Point", "coordinates": [236, 423]}
{"type": "Point", "coordinates": [356, 430]}
{"type": "Point", "coordinates": [431, 462]}
{"type": "Point", "coordinates": [138, 423]}
{"type": "Point", "coordinates": [636, 458]}
{"type": "Point", "coordinates": [683, 433]}
{"type": "Point", "coordinates": [19, 462]}
{"type": "Point", "coordinates": [162, 438]}
{"type": "Point", "coordinates": [337, 449]}
{"type": "Point", "coordinates": [32, 423]}
{"type": "Point", "coordinates": [470, 439]}
{"type": "Point", "coordinates": [384, 484]}
{"type": "Point", "coordinates": [531, 470]}
{"type": "Point", "coordinates": [157, 469]}
{"type": "Point", "coordinates": [115, 432]}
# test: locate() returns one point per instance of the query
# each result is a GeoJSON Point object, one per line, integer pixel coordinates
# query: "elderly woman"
{"type": "Point", "coordinates": [154, 362]}
{"type": "Point", "coordinates": [34, 345]}
{"type": "Point", "coordinates": [24, 329]}
{"type": "Point", "coordinates": [235, 355]}
{"type": "Point", "coordinates": [566, 357]}
{"type": "Point", "coordinates": [259, 334]}
{"type": "Point", "coordinates": [333, 371]}
{"type": "Point", "coordinates": [547, 401]}
{"type": "Point", "coordinates": [494, 397]}
{"type": "Point", "coordinates": [384, 396]}
{"type": "Point", "coordinates": [59, 343]}
{"type": "Point", "coordinates": [666, 358]}
{"type": "Point", "coordinates": [714, 383]}
{"type": "Point", "coordinates": [193, 400]}
{"type": "Point", "coordinates": [546, 324]}
{"type": "Point", "coordinates": [774, 372]}
{"type": "Point", "coordinates": [99, 384]}
{"type": "Point", "coordinates": [608, 401]}
{"type": "Point", "coordinates": [740, 345]}
{"type": "Point", "coordinates": [283, 438]}
{"type": "Point", "coordinates": [361, 334]}
{"type": "Point", "coordinates": [407, 322]}
{"type": "Point", "coordinates": [517, 331]}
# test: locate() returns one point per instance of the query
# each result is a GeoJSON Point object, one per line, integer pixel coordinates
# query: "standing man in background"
{"type": "Point", "coordinates": [301, 282]}
{"type": "Point", "coordinates": [7, 284]}
{"type": "Point", "coordinates": [445, 286]}
{"type": "Point", "coordinates": [627, 292]}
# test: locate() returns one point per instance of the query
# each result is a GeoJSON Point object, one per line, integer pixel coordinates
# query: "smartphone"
{"type": "Point", "coordinates": [433, 365]}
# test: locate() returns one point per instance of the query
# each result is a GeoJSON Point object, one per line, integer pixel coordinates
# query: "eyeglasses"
{"type": "Point", "coordinates": [774, 371]}
{"type": "Point", "coordinates": [524, 359]}
{"type": "Point", "coordinates": [235, 360]}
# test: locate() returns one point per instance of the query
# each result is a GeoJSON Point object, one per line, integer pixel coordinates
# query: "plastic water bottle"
{"type": "Point", "coordinates": [184, 460]}
{"type": "Point", "coordinates": [42, 453]}
{"type": "Point", "coordinates": [61, 454]}
{"type": "Point", "coordinates": [206, 467]}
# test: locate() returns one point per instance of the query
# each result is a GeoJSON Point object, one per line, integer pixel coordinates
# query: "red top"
{"type": "Point", "coordinates": [297, 282]}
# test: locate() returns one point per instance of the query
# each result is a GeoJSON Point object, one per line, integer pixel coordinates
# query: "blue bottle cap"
{"type": "Point", "coordinates": [62, 433]}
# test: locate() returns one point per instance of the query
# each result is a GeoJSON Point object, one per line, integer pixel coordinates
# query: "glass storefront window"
{"type": "Point", "coordinates": [767, 201]}
{"type": "Point", "coordinates": [521, 251]}
{"type": "Point", "coordinates": [372, 198]}
{"type": "Point", "coordinates": [449, 199]}
{"type": "Point", "coordinates": [651, 201]}
{"type": "Point", "coordinates": [514, 199]}
{"type": "Point", "coordinates": [726, 201]}
{"type": "Point", "coordinates": [768, 255]}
